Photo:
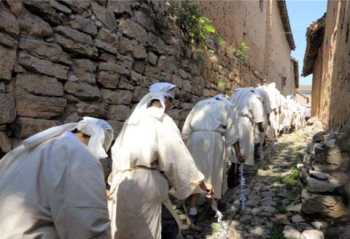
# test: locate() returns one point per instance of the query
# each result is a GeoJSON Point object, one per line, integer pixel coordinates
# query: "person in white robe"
{"type": "Point", "coordinates": [250, 114]}
{"type": "Point", "coordinates": [272, 104]}
{"type": "Point", "coordinates": [52, 185]}
{"type": "Point", "coordinates": [209, 130]}
{"type": "Point", "coordinates": [149, 157]}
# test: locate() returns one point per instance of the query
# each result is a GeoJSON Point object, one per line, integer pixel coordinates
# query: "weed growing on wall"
{"type": "Point", "coordinates": [242, 52]}
{"type": "Point", "coordinates": [195, 27]}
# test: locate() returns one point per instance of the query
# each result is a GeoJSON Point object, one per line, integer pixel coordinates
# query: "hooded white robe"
{"type": "Point", "coordinates": [208, 130]}
{"type": "Point", "coordinates": [272, 103]}
{"type": "Point", "coordinates": [54, 190]}
{"type": "Point", "coordinates": [250, 111]}
{"type": "Point", "coordinates": [149, 156]}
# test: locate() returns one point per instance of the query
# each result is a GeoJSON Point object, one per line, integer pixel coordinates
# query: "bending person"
{"type": "Point", "coordinates": [209, 129]}
{"type": "Point", "coordinates": [52, 185]}
{"type": "Point", "coordinates": [251, 117]}
{"type": "Point", "coordinates": [149, 156]}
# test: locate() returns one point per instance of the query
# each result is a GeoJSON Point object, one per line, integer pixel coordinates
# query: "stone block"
{"type": "Point", "coordinates": [82, 90]}
{"type": "Point", "coordinates": [121, 8]}
{"type": "Point", "coordinates": [7, 109]}
{"type": "Point", "coordinates": [26, 127]}
{"type": "Point", "coordinates": [48, 10]}
{"type": "Point", "coordinates": [75, 42]}
{"type": "Point", "coordinates": [120, 67]}
{"type": "Point", "coordinates": [106, 47]}
{"type": "Point", "coordinates": [126, 84]}
{"type": "Point", "coordinates": [60, 7]}
{"type": "Point", "coordinates": [32, 25]}
{"type": "Point", "coordinates": [152, 58]}
{"type": "Point", "coordinates": [39, 84]}
{"type": "Point", "coordinates": [42, 49]}
{"type": "Point", "coordinates": [5, 143]}
{"type": "Point", "coordinates": [152, 73]}
{"type": "Point", "coordinates": [7, 62]}
{"type": "Point", "coordinates": [7, 41]}
{"type": "Point", "coordinates": [84, 24]}
{"type": "Point", "coordinates": [142, 18]}
{"type": "Point", "coordinates": [312, 234]}
{"type": "Point", "coordinates": [155, 44]}
{"type": "Point", "coordinates": [325, 206]}
{"type": "Point", "coordinates": [28, 105]}
{"type": "Point", "coordinates": [139, 92]}
{"type": "Point", "coordinates": [137, 78]}
{"type": "Point", "coordinates": [77, 6]}
{"type": "Point", "coordinates": [140, 67]}
{"type": "Point", "coordinates": [107, 36]}
{"type": "Point", "coordinates": [48, 68]}
{"type": "Point", "coordinates": [16, 6]}
{"type": "Point", "coordinates": [85, 65]}
{"type": "Point", "coordinates": [98, 110]}
{"type": "Point", "coordinates": [104, 15]}
{"type": "Point", "coordinates": [108, 79]}
{"type": "Point", "coordinates": [116, 125]}
{"type": "Point", "coordinates": [120, 97]}
{"type": "Point", "coordinates": [8, 22]}
{"type": "Point", "coordinates": [291, 233]}
{"type": "Point", "coordinates": [118, 112]}
{"type": "Point", "coordinates": [2, 87]}
{"type": "Point", "coordinates": [133, 30]}
{"type": "Point", "coordinates": [139, 52]}
{"type": "Point", "coordinates": [131, 46]}
{"type": "Point", "coordinates": [84, 70]}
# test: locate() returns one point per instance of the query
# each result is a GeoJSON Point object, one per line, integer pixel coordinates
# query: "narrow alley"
{"type": "Point", "coordinates": [273, 195]}
{"type": "Point", "coordinates": [164, 119]}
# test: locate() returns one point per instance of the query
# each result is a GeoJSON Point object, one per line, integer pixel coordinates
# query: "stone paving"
{"type": "Point", "coordinates": [273, 200]}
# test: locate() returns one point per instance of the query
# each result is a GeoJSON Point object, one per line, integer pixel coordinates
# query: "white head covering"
{"type": "Point", "coordinates": [223, 98]}
{"type": "Point", "coordinates": [100, 132]}
{"type": "Point", "coordinates": [101, 135]}
{"type": "Point", "coordinates": [157, 91]}
{"type": "Point", "coordinates": [164, 87]}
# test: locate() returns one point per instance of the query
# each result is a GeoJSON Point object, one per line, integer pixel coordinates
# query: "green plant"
{"type": "Point", "coordinates": [221, 84]}
{"type": "Point", "coordinates": [195, 27]}
{"type": "Point", "coordinates": [242, 52]}
{"type": "Point", "coordinates": [292, 178]}
{"type": "Point", "coordinates": [277, 232]}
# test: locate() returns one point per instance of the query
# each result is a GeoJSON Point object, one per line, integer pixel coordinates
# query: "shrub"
{"type": "Point", "coordinates": [195, 27]}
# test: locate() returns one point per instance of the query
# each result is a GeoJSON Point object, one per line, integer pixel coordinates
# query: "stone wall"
{"type": "Point", "coordinates": [64, 59]}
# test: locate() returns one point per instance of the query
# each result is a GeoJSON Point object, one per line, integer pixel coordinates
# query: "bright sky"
{"type": "Point", "coordinates": [301, 14]}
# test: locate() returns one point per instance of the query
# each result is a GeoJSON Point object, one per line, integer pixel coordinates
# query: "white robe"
{"type": "Point", "coordinates": [148, 158]}
{"type": "Point", "coordinates": [272, 104]}
{"type": "Point", "coordinates": [250, 111]}
{"type": "Point", "coordinates": [208, 130]}
{"type": "Point", "coordinates": [56, 190]}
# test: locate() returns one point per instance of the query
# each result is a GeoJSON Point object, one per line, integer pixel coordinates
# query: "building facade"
{"type": "Point", "coordinates": [326, 57]}
{"type": "Point", "coordinates": [264, 26]}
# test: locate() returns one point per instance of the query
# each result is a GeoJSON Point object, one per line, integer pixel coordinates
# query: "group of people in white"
{"type": "Point", "coordinates": [52, 185]}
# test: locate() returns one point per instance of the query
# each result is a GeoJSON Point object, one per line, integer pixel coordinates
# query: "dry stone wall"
{"type": "Point", "coordinates": [64, 59]}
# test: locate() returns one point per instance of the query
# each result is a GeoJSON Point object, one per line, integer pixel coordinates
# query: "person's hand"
{"type": "Point", "coordinates": [240, 158]}
{"type": "Point", "coordinates": [210, 193]}
{"type": "Point", "coordinates": [208, 190]}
